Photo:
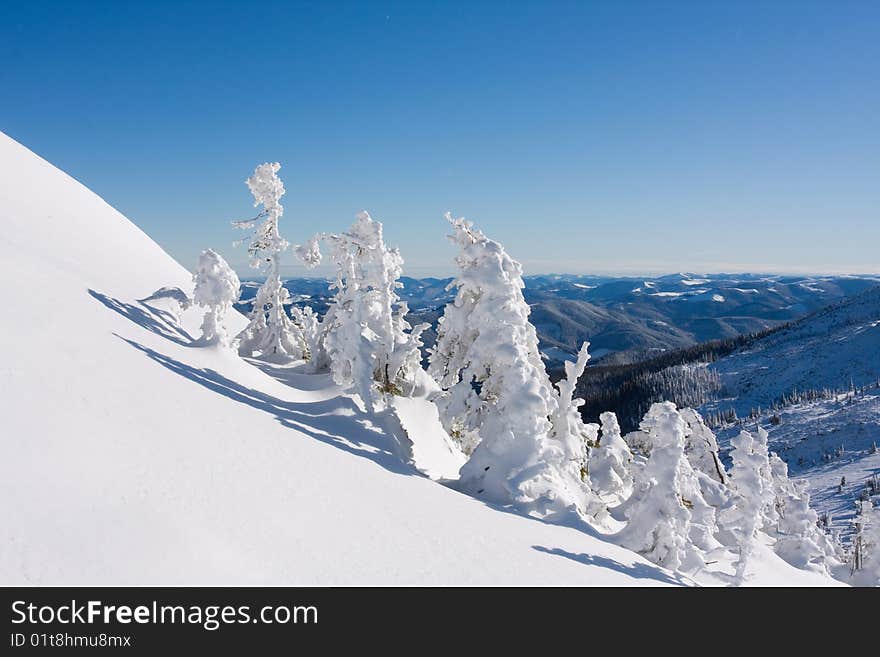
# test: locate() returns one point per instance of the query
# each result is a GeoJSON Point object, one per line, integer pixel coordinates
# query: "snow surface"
{"type": "Point", "coordinates": [132, 457]}
{"type": "Point", "coordinates": [825, 441]}
{"type": "Point", "coordinates": [831, 348]}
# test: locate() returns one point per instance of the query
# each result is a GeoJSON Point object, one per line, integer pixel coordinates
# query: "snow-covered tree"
{"type": "Point", "coordinates": [761, 446]}
{"type": "Point", "coordinates": [364, 337]}
{"type": "Point", "coordinates": [496, 398]}
{"type": "Point", "coordinates": [610, 462]}
{"type": "Point", "coordinates": [216, 289]}
{"type": "Point", "coordinates": [865, 551]}
{"type": "Point", "coordinates": [482, 332]}
{"type": "Point", "coordinates": [639, 443]}
{"type": "Point", "coordinates": [310, 324]}
{"type": "Point", "coordinates": [701, 447]}
{"type": "Point", "coordinates": [799, 540]}
{"type": "Point", "coordinates": [270, 333]}
{"type": "Point", "coordinates": [570, 434]}
{"type": "Point", "coordinates": [567, 424]}
{"type": "Point", "coordinates": [750, 481]}
{"type": "Point", "coordinates": [668, 521]}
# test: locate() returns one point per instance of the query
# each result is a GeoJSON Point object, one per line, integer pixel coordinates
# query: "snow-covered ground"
{"type": "Point", "coordinates": [832, 348]}
{"type": "Point", "coordinates": [132, 457]}
{"type": "Point", "coordinates": [827, 441]}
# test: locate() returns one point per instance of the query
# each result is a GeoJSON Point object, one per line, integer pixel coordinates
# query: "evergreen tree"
{"type": "Point", "coordinates": [216, 289]}
{"type": "Point", "coordinates": [668, 521]}
{"type": "Point", "coordinates": [701, 447]}
{"type": "Point", "coordinates": [310, 324]}
{"type": "Point", "coordinates": [865, 551]}
{"type": "Point", "coordinates": [364, 337]}
{"type": "Point", "coordinates": [270, 332]}
{"type": "Point", "coordinates": [754, 494]}
{"type": "Point", "coordinates": [610, 462]}
{"type": "Point", "coordinates": [570, 434]}
{"type": "Point", "coordinates": [799, 540]}
{"type": "Point", "coordinates": [496, 398]}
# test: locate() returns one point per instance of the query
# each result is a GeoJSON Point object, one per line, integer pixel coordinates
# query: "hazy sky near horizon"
{"type": "Point", "coordinates": [587, 137]}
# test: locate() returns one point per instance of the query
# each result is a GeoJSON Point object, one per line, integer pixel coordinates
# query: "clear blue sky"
{"type": "Point", "coordinates": [587, 137]}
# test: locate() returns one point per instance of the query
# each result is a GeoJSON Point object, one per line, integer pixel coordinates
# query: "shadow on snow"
{"type": "Point", "coordinates": [636, 570]}
{"type": "Point", "coordinates": [154, 320]}
{"type": "Point", "coordinates": [337, 422]}
{"type": "Point", "coordinates": [334, 421]}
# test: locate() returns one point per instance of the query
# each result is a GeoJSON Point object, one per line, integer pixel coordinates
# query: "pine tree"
{"type": "Point", "coordinates": [749, 479]}
{"type": "Point", "coordinates": [483, 332]}
{"type": "Point", "coordinates": [310, 324]}
{"type": "Point", "coordinates": [799, 540]}
{"type": "Point", "coordinates": [610, 462]}
{"type": "Point", "coordinates": [668, 521]}
{"type": "Point", "coordinates": [701, 447]}
{"type": "Point", "coordinates": [496, 398]}
{"type": "Point", "coordinates": [865, 552]}
{"type": "Point", "coordinates": [270, 333]}
{"type": "Point", "coordinates": [216, 289]}
{"type": "Point", "coordinates": [571, 435]}
{"type": "Point", "coordinates": [567, 424]}
{"type": "Point", "coordinates": [364, 337]}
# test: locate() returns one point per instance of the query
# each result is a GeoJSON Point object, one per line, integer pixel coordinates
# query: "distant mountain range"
{"type": "Point", "coordinates": [627, 318]}
{"type": "Point", "coordinates": [829, 353]}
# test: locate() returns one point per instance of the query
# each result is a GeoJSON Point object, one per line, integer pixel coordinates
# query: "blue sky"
{"type": "Point", "coordinates": [587, 137]}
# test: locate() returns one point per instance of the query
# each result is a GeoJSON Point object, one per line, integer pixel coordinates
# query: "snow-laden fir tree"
{"type": "Point", "coordinates": [566, 420]}
{"type": "Point", "coordinates": [270, 333]}
{"type": "Point", "coordinates": [496, 398]}
{"type": "Point", "coordinates": [701, 447]}
{"type": "Point", "coordinates": [610, 462]}
{"type": "Point", "coordinates": [761, 446]}
{"type": "Point", "coordinates": [482, 331]}
{"type": "Point", "coordinates": [216, 289]}
{"type": "Point", "coordinates": [865, 550]}
{"type": "Point", "coordinates": [799, 540]}
{"type": "Point", "coordinates": [571, 435]}
{"type": "Point", "coordinates": [749, 479]}
{"type": "Point", "coordinates": [668, 521]}
{"type": "Point", "coordinates": [310, 325]}
{"type": "Point", "coordinates": [364, 337]}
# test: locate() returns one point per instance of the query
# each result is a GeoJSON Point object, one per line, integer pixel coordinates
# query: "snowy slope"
{"type": "Point", "coordinates": [130, 457]}
{"type": "Point", "coordinates": [826, 441]}
{"type": "Point", "coordinates": [827, 349]}
{"type": "Point", "coordinates": [830, 441]}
